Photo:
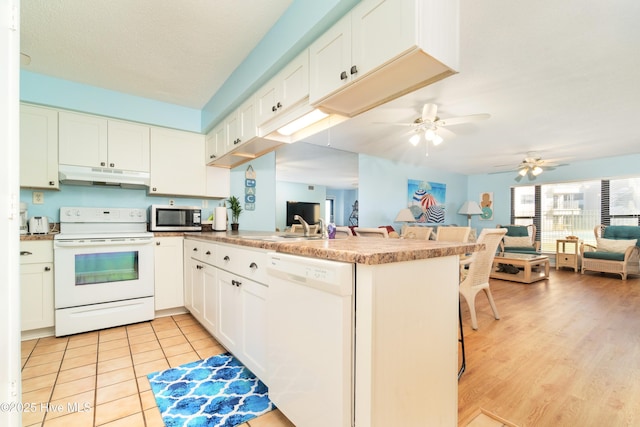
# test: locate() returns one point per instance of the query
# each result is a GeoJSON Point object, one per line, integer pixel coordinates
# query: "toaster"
{"type": "Point", "coordinates": [38, 225]}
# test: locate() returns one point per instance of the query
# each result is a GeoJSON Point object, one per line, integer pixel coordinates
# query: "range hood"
{"type": "Point", "coordinates": [86, 175]}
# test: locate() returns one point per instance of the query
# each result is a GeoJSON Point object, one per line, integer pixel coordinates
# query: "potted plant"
{"type": "Point", "coordinates": [236, 210]}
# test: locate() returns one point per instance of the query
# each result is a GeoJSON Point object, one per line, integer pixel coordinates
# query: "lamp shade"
{"type": "Point", "coordinates": [405, 215]}
{"type": "Point", "coordinates": [470, 208]}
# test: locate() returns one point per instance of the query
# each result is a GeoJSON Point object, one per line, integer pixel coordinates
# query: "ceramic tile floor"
{"type": "Point", "coordinates": [99, 378]}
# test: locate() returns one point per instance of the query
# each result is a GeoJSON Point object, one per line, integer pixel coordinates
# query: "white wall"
{"type": "Point", "coordinates": [10, 387]}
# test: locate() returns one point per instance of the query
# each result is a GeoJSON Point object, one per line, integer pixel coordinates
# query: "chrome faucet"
{"type": "Point", "coordinates": [323, 229]}
{"type": "Point", "coordinates": [305, 225]}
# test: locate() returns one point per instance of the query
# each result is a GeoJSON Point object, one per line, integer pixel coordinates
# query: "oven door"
{"type": "Point", "coordinates": [102, 270]}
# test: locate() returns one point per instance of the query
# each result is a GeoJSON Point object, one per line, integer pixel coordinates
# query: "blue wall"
{"type": "Point", "coordinates": [500, 184]}
{"type": "Point", "coordinates": [382, 190]}
{"type": "Point", "coordinates": [263, 218]}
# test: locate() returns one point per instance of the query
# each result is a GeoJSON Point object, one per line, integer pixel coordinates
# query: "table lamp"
{"type": "Point", "coordinates": [470, 208]}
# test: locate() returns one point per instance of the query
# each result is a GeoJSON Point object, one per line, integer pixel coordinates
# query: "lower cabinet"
{"type": "Point", "coordinates": [168, 272]}
{"type": "Point", "coordinates": [200, 284]}
{"type": "Point", "coordinates": [242, 325]}
{"type": "Point", "coordinates": [232, 307]}
{"type": "Point", "coordinates": [36, 285]}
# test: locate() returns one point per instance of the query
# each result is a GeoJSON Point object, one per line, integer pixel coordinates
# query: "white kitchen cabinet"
{"type": "Point", "coordinates": [235, 131]}
{"type": "Point", "coordinates": [38, 147]}
{"type": "Point", "coordinates": [288, 89]}
{"type": "Point", "coordinates": [241, 125]}
{"type": "Point", "coordinates": [216, 143]}
{"type": "Point", "coordinates": [242, 311]}
{"type": "Point", "coordinates": [405, 44]}
{"type": "Point", "coordinates": [36, 285]}
{"type": "Point", "coordinates": [200, 279]}
{"type": "Point", "coordinates": [177, 166]}
{"type": "Point", "coordinates": [168, 272]}
{"type": "Point", "coordinates": [242, 305]}
{"type": "Point", "coordinates": [93, 141]}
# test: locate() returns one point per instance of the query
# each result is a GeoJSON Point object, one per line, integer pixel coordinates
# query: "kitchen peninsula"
{"type": "Point", "coordinates": [402, 338]}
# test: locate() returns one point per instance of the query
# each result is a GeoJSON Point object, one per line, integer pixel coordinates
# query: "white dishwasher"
{"type": "Point", "coordinates": [310, 339]}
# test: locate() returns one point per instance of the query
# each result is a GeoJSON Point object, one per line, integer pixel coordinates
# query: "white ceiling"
{"type": "Point", "coordinates": [558, 78]}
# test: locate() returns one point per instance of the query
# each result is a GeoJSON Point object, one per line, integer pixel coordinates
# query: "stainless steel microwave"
{"type": "Point", "coordinates": [174, 218]}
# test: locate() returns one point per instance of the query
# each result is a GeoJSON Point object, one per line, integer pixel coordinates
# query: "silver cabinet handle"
{"type": "Point", "coordinates": [253, 266]}
{"type": "Point", "coordinates": [23, 253]}
{"type": "Point", "coordinates": [226, 258]}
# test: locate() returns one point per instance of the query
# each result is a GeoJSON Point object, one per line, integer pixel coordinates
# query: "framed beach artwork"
{"type": "Point", "coordinates": [486, 204]}
{"type": "Point", "coordinates": [426, 201]}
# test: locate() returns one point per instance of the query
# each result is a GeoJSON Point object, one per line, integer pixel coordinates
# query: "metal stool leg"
{"type": "Point", "coordinates": [463, 366]}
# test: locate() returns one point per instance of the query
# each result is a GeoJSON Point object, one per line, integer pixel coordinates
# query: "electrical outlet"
{"type": "Point", "coordinates": [38, 197]}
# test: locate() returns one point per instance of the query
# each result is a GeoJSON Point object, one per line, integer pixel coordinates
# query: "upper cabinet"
{"type": "Point", "coordinates": [38, 147]}
{"type": "Point", "coordinates": [99, 142]}
{"type": "Point", "coordinates": [235, 140]}
{"type": "Point", "coordinates": [177, 167]}
{"type": "Point", "coordinates": [287, 90]}
{"type": "Point", "coordinates": [383, 49]}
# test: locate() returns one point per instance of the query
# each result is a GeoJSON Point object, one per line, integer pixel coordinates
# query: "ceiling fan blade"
{"type": "Point", "coordinates": [463, 119]}
{"type": "Point", "coordinates": [429, 112]}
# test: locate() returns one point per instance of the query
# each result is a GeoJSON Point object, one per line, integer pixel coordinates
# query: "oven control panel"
{"type": "Point", "coordinates": [102, 215]}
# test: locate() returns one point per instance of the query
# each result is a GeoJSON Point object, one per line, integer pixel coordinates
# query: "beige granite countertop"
{"type": "Point", "coordinates": [360, 250]}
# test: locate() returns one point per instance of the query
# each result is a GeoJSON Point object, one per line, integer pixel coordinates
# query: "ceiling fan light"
{"type": "Point", "coordinates": [523, 171]}
{"type": "Point", "coordinates": [537, 170]}
{"type": "Point", "coordinates": [415, 139]}
{"type": "Point", "coordinates": [437, 140]}
{"type": "Point", "coordinates": [429, 135]}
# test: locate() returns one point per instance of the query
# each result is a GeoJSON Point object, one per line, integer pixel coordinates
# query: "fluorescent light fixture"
{"type": "Point", "coordinates": [301, 123]}
{"type": "Point", "coordinates": [415, 139]}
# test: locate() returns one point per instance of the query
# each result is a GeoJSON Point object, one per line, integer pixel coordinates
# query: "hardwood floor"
{"type": "Point", "coordinates": [566, 352]}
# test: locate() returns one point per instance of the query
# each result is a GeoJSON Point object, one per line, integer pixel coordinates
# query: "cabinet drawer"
{"type": "Point", "coordinates": [32, 252]}
{"type": "Point", "coordinates": [202, 251]}
{"type": "Point", "coordinates": [244, 262]}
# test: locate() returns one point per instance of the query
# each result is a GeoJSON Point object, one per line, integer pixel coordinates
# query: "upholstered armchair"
{"type": "Point", "coordinates": [519, 239]}
{"type": "Point", "coordinates": [616, 250]}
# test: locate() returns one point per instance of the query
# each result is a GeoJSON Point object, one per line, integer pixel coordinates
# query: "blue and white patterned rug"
{"type": "Point", "coordinates": [218, 391]}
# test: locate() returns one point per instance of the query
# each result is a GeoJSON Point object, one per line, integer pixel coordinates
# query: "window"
{"type": "Point", "coordinates": [559, 210]}
{"type": "Point", "coordinates": [624, 201]}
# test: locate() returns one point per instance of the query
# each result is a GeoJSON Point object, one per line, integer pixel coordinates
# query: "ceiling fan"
{"type": "Point", "coordinates": [532, 166]}
{"type": "Point", "coordinates": [430, 125]}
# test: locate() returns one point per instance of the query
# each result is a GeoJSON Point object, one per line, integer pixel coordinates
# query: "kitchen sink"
{"type": "Point", "coordinates": [281, 237]}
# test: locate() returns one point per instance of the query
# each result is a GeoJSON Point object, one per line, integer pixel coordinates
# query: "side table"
{"type": "Point", "coordinates": [567, 253]}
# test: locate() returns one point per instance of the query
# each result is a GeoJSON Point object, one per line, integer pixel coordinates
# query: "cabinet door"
{"type": "Point", "coordinates": [169, 277]}
{"type": "Point", "coordinates": [253, 303]}
{"type": "Point", "coordinates": [38, 147]}
{"type": "Point", "coordinates": [191, 247]}
{"type": "Point", "coordinates": [330, 60]}
{"type": "Point", "coordinates": [247, 121]}
{"type": "Point", "coordinates": [177, 167]}
{"type": "Point", "coordinates": [266, 108]}
{"type": "Point", "coordinates": [36, 286]}
{"type": "Point", "coordinates": [233, 131]}
{"type": "Point", "coordinates": [82, 140]}
{"type": "Point", "coordinates": [380, 31]}
{"type": "Point", "coordinates": [128, 147]}
{"type": "Point", "coordinates": [229, 317]}
{"type": "Point", "coordinates": [197, 290]}
{"type": "Point", "coordinates": [210, 309]}
{"type": "Point", "coordinates": [294, 82]}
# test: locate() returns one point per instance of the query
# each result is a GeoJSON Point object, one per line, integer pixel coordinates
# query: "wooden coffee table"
{"type": "Point", "coordinates": [532, 267]}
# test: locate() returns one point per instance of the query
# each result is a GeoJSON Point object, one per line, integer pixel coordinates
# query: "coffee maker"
{"type": "Point", "coordinates": [23, 218]}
